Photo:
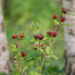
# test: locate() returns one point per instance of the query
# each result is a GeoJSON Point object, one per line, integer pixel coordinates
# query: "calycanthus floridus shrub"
{"type": "Point", "coordinates": [31, 61]}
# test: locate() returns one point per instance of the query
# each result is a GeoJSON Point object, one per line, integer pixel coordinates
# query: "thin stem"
{"type": "Point", "coordinates": [21, 73]}
{"type": "Point", "coordinates": [56, 27]}
{"type": "Point", "coordinates": [39, 54]}
{"type": "Point", "coordinates": [39, 47]}
{"type": "Point", "coordinates": [24, 73]}
{"type": "Point", "coordinates": [42, 64]}
{"type": "Point", "coordinates": [51, 43]}
{"type": "Point", "coordinates": [52, 38]}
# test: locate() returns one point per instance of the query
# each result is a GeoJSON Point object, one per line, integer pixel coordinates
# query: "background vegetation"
{"type": "Point", "coordinates": [20, 14]}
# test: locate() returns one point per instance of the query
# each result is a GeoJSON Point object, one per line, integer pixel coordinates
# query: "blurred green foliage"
{"type": "Point", "coordinates": [20, 14]}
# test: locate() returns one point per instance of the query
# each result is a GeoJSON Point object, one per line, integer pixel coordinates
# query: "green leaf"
{"type": "Point", "coordinates": [48, 50]}
{"type": "Point", "coordinates": [34, 73]}
{"type": "Point", "coordinates": [25, 68]}
{"type": "Point", "coordinates": [67, 24]}
{"type": "Point", "coordinates": [33, 40]}
{"type": "Point", "coordinates": [35, 27]}
{"type": "Point", "coordinates": [41, 50]}
{"type": "Point", "coordinates": [59, 38]}
{"type": "Point", "coordinates": [14, 48]}
{"type": "Point", "coordinates": [39, 58]}
{"type": "Point", "coordinates": [56, 22]}
{"type": "Point", "coordinates": [47, 37]}
{"type": "Point", "coordinates": [55, 57]}
{"type": "Point", "coordinates": [38, 68]}
{"type": "Point", "coordinates": [17, 55]}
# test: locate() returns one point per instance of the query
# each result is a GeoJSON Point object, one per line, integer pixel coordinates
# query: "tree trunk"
{"type": "Point", "coordinates": [5, 65]}
{"type": "Point", "coordinates": [70, 36]}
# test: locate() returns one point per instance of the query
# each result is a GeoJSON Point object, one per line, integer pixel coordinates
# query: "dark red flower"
{"type": "Point", "coordinates": [55, 16]}
{"type": "Point", "coordinates": [63, 19]}
{"type": "Point", "coordinates": [50, 33]}
{"type": "Point", "coordinates": [64, 10]}
{"type": "Point", "coordinates": [41, 45]}
{"type": "Point", "coordinates": [36, 36]}
{"type": "Point", "coordinates": [54, 34]}
{"type": "Point", "coordinates": [22, 35]}
{"type": "Point", "coordinates": [14, 36]}
{"type": "Point", "coordinates": [23, 54]}
{"type": "Point", "coordinates": [35, 48]}
{"type": "Point", "coordinates": [40, 37]}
